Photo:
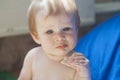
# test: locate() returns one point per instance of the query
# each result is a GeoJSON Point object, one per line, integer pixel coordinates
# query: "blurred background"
{"type": "Point", "coordinates": [15, 40]}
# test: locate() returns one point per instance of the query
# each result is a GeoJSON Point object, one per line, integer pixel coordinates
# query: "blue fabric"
{"type": "Point", "coordinates": [102, 47]}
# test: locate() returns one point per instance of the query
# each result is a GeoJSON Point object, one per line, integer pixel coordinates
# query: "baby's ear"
{"type": "Point", "coordinates": [36, 38]}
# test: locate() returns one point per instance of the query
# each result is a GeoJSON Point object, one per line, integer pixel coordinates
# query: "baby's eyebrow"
{"type": "Point", "coordinates": [50, 25]}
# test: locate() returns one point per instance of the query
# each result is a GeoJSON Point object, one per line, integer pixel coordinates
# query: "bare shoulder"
{"type": "Point", "coordinates": [33, 52]}
{"type": "Point", "coordinates": [26, 72]}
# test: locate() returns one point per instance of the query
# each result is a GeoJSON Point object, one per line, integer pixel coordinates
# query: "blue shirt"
{"type": "Point", "coordinates": [102, 47]}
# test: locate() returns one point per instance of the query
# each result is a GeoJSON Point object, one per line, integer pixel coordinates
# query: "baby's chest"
{"type": "Point", "coordinates": [51, 73]}
{"type": "Point", "coordinates": [51, 77]}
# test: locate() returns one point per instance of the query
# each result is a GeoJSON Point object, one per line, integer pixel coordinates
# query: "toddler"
{"type": "Point", "coordinates": [54, 25]}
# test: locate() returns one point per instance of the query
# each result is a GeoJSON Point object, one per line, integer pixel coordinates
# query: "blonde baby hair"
{"type": "Point", "coordinates": [51, 8]}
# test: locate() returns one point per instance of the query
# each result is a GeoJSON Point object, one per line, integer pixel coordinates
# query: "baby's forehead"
{"type": "Point", "coordinates": [63, 18]}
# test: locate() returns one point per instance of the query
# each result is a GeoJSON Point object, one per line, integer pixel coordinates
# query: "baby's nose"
{"type": "Point", "coordinates": [60, 37]}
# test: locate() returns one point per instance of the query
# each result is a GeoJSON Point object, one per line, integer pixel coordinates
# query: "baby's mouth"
{"type": "Point", "coordinates": [63, 46]}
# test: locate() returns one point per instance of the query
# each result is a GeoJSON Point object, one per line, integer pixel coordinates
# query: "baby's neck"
{"type": "Point", "coordinates": [55, 58]}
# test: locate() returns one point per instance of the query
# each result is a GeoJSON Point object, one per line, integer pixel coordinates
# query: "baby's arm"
{"type": "Point", "coordinates": [26, 73]}
{"type": "Point", "coordinates": [82, 73]}
{"type": "Point", "coordinates": [80, 63]}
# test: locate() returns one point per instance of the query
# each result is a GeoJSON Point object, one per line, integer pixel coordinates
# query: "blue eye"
{"type": "Point", "coordinates": [49, 31]}
{"type": "Point", "coordinates": [66, 29]}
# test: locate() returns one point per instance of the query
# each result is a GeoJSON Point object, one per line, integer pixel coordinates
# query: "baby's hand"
{"type": "Point", "coordinates": [75, 61]}
{"type": "Point", "coordinates": [78, 60]}
{"type": "Point", "coordinates": [80, 63]}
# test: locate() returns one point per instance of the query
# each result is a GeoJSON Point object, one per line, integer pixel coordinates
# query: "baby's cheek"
{"type": "Point", "coordinates": [72, 42]}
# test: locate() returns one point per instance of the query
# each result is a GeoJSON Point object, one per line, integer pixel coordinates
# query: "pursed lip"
{"type": "Point", "coordinates": [62, 46]}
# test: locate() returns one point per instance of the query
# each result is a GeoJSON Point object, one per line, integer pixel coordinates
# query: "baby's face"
{"type": "Point", "coordinates": [57, 34]}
